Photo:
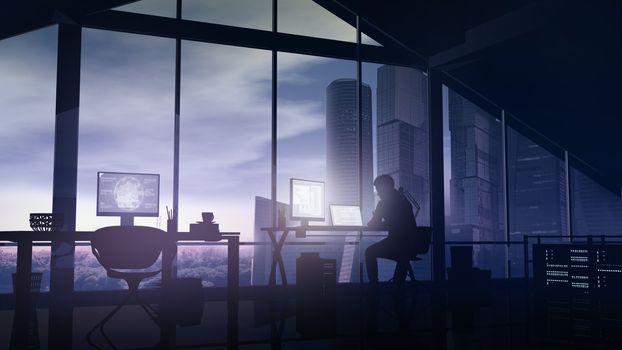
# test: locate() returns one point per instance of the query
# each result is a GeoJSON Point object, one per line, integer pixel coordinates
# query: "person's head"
{"type": "Point", "coordinates": [384, 184]}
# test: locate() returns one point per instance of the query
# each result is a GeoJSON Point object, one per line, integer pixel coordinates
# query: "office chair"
{"type": "Point", "coordinates": [127, 248]}
{"type": "Point", "coordinates": [419, 246]}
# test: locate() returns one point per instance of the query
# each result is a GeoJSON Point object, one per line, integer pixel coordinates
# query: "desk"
{"type": "Point", "coordinates": [277, 244]}
{"type": "Point", "coordinates": [24, 240]}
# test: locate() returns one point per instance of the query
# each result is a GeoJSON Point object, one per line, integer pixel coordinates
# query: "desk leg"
{"type": "Point", "coordinates": [168, 328]}
{"type": "Point", "coordinates": [280, 257]}
{"type": "Point", "coordinates": [275, 247]}
{"type": "Point", "coordinates": [233, 285]}
{"type": "Point", "coordinates": [19, 335]}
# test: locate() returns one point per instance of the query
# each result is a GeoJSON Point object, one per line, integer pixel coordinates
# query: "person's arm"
{"type": "Point", "coordinates": [376, 220]}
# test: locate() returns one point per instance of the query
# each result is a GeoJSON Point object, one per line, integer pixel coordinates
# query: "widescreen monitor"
{"type": "Point", "coordinates": [307, 200]}
{"type": "Point", "coordinates": [120, 194]}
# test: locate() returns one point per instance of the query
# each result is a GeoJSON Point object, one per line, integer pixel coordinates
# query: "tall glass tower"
{"type": "Point", "coordinates": [403, 142]}
{"type": "Point", "coordinates": [476, 182]}
{"type": "Point", "coordinates": [342, 145]}
{"type": "Point", "coordinates": [403, 138]}
{"type": "Point", "coordinates": [342, 158]}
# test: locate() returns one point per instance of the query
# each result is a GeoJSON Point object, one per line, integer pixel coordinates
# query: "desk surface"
{"type": "Point", "coordinates": [322, 228]}
{"type": "Point", "coordinates": [17, 236]}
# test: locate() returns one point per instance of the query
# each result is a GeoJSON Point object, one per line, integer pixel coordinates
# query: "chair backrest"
{"type": "Point", "coordinates": [127, 247]}
{"type": "Point", "coordinates": [422, 239]}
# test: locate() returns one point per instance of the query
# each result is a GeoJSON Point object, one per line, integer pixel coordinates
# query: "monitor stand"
{"type": "Point", "coordinates": [304, 223]}
{"type": "Point", "coordinates": [127, 220]}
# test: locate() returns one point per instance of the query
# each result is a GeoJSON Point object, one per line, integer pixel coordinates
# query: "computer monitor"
{"type": "Point", "coordinates": [346, 215]}
{"type": "Point", "coordinates": [128, 194]}
{"type": "Point", "coordinates": [306, 198]}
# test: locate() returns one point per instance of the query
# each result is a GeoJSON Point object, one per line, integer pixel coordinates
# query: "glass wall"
{"type": "Point", "coordinates": [225, 146]}
{"type": "Point", "coordinates": [317, 128]}
{"type": "Point", "coordinates": [595, 209]}
{"type": "Point", "coordinates": [474, 211]}
{"type": "Point", "coordinates": [27, 109]}
{"type": "Point", "coordinates": [400, 126]}
{"type": "Point", "coordinates": [126, 125]}
{"type": "Point", "coordinates": [307, 18]}
{"type": "Point", "coordinates": [126, 117]}
{"type": "Point", "coordinates": [256, 14]}
{"type": "Point", "coordinates": [164, 8]}
{"type": "Point", "coordinates": [536, 195]}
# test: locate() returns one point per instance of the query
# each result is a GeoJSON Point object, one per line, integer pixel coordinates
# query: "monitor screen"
{"type": "Point", "coordinates": [346, 215]}
{"type": "Point", "coordinates": [307, 200]}
{"type": "Point", "coordinates": [128, 194]}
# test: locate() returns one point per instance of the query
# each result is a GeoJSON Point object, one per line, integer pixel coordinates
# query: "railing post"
{"type": "Point", "coordinates": [437, 183]}
{"type": "Point", "coordinates": [526, 257]}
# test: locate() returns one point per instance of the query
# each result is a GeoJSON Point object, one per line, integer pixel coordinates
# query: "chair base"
{"type": "Point", "coordinates": [151, 312]}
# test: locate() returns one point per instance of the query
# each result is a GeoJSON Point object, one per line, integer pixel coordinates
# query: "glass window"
{"type": "Point", "coordinates": [475, 184]}
{"type": "Point", "coordinates": [126, 125]}
{"type": "Point", "coordinates": [304, 17]}
{"type": "Point", "coordinates": [536, 194]}
{"type": "Point", "coordinates": [401, 141]}
{"type": "Point", "coordinates": [27, 102]}
{"type": "Point", "coordinates": [163, 8]}
{"type": "Point", "coordinates": [318, 140]}
{"type": "Point", "coordinates": [126, 117]}
{"type": "Point", "coordinates": [225, 150]}
{"type": "Point", "coordinates": [595, 209]}
{"type": "Point", "coordinates": [256, 14]}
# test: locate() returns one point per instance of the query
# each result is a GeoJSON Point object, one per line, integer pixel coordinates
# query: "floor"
{"type": "Point", "coordinates": [502, 316]}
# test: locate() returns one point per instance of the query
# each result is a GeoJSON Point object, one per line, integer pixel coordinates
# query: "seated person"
{"type": "Point", "coordinates": [393, 213]}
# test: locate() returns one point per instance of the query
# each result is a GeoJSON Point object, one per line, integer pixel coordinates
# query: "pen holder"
{"type": "Point", "coordinates": [171, 226]}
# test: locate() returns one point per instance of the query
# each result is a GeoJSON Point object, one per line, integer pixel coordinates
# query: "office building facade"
{"type": "Point", "coordinates": [342, 145]}
{"type": "Point", "coordinates": [402, 132]}
{"type": "Point", "coordinates": [536, 195]}
{"type": "Point", "coordinates": [476, 186]}
{"type": "Point", "coordinates": [342, 159]}
{"type": "Point", "coordinates": [403, 142]}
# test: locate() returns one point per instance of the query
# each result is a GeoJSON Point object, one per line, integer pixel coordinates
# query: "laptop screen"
{"type": "Point", "coordinates": [346, 215]}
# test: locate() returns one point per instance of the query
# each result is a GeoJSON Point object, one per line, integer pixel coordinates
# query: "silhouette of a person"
{"type": "Point", "coordinates": [393, 213]}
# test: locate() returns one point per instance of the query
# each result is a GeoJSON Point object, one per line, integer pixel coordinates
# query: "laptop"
{"type": "Point", "coordinates": [346, 215]}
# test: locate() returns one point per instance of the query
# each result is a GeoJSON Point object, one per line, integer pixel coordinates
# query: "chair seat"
{"type": "Point", "coordinates": [123, 275]}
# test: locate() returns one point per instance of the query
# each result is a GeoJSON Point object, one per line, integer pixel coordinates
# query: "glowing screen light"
{"type": "Point", "coordinates": [127, 193]}
{"type": "Point", "coordinates": [307, 199]}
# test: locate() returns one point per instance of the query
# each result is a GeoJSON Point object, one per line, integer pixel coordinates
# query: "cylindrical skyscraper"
{"type": "Point", "coordinates": [342, 145]}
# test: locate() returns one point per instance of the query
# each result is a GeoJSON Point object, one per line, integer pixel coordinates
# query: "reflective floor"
{"type": "Point", "coordinates": [503, 316]}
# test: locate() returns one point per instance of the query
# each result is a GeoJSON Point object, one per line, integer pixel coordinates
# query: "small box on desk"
{"type": "Point", "coordinates": [210, 229]}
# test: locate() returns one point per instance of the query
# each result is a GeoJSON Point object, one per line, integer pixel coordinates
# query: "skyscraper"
{"type": "Point", "coordinates": [402, 134]}
{"type": "Point", "coordinates": [403, 141]}
{"type": "Point", "coordinates": [476, 186]}
{"type": "Point", "coordinates": [342, 157]}
{"type": "Point", "coordinates": [536, 194]}
{"type": "Point", "coordinates": [597, 210]}
{"type": "Point", "coordinates": [342, 145]}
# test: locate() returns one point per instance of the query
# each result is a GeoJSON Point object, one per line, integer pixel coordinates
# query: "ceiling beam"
{"type": "Point", "coordinates": [23, 16]}
{"type": "Point", "coordinates": [245, 37]}
{"type": "Point", "coordinates": [493, 32]}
